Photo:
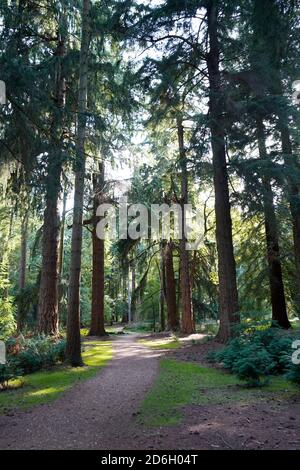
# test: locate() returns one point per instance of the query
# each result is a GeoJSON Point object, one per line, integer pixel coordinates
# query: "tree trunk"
{"type": "Point", "coordinates": [125, 277]}
{"type": "Point", "coordinates": [162, 295]}
{"type": "Point", "coordinates": [133, 295]}
{"type": "Point", "coordinates": [62, 236]}
{"type": "Point", "coordinates": [293, 194]}
{"type": "Point", "coordinates": [97, 318]}
{"type": "Point", "coordinates": [61, 251]}
{"type": "Point", "coordinates": [22, 275]}
{"type": "Point", "coordinates": [173, 320]}
{"type": "Point", "coordinates": [279, 313]}
{"type": "Point", "coordinates": [228, 295]}
{"type": "Point", "coordinates": [73, 350]}
{"type": "Point", "coordinates": [48, 294]}
{"type": "Point", "coordinates": [187, 321]}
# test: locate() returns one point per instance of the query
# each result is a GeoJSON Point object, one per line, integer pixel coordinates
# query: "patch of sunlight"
{"type": "Point", "coordinates": [84, 331]}
{"type": "Point", "coordinates": [45, 391]}
{"type": "Point", "coordinates": [161, 343]}
{"type": "Point", "coordinates": [182, 383]}
{"type": "Point", "coordinates": [45, 386]}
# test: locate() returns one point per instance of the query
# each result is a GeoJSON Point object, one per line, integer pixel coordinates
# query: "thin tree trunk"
{"type": "Point", "coordinates": [162, 296]}
{"type": "Point", "coordinates": [62, 235]}
{"type": "Point", "coordinates": [173, 320]}
{"type": "Point", "coordinates": [61, 251]}
{"type": "Point", "coordinates": [279, 313]}
{"type": "Point", "coordinates": [187, 321]}
{"type": "Point", "coordinates": [290, 160]}
{"type": "Point", "coordinates": [48, 294]}
{"type": "Point", "coordinates": [73, 350]}
{"type": "Point", "coordinates": [97, 317]}
{"type": "Point", "coordinates": [125, 277]}
{"type": "Point", "coordinates": [133, 296]}
{"type": "Point", "coordinates": [228, 295]}
{"type": "Point", "coordinates": [22, 275]}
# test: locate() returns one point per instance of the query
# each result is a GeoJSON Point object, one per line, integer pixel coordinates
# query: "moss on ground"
{"type": "Point", "coordinates": [45, 386]}
{"type": "Point", "coordinates": [182, 383]}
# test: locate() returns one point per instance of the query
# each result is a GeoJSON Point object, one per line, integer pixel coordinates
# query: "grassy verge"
{"type": "Point", "coordinates": [43, 387]}
{"type": "Point", "coordinates": [161, 343]}
{"type": "Point", "coordinates": [182, 383]}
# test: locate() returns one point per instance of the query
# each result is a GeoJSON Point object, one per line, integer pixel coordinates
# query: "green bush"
{"type": "Point", "coordinates": [293, 373]}
{"type": "Point", "coordinates": [258, 352]}
{"type": "Point", "coordinates": [252, 364]}
{"type": "Point", "coordinates": [37, 353]}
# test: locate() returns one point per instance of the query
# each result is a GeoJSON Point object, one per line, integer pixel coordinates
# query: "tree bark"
{"type": "Point", "coordinates": [133, 295]}
{"type": "Point", "coordinates": [62, 236]}
{"type": "Point", "coordinates": [48, 294]}
{"type": "Point", "coordinates": [97, 317]}
{"type": "Point", "coordinates": [187, 320]}
{"type": "Point", "coordinates": [61, 251]}
{"type": "Point", "coordinates": [293, 194]}
{"type": "Point", "coordinates": [279, 313]}
{"type": "Point", "coordinates": [73, 350]}
{"type": "Point", "coordinates": [173, 320]}
{"type": "Point", "coordinates": [22, 275]}
{"type": "Point", "coordinates": [125, 277]}
{"type": "Point", "coordinates": [162, 295]}
{"type": "Point", "coordinates": [228, 295]}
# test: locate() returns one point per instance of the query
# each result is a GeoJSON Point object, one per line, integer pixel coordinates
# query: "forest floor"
{"type": "Point", "coordinates": [127, 405]}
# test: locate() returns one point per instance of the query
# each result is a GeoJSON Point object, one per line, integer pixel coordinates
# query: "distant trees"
{"type": "Point", "coordinates": [196, 98]}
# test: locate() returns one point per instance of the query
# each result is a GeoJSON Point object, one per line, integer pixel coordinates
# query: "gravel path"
{"type": "Point", "coordinates": [95, 414]}
{"type": "Point", "coordinates": [101, 413]}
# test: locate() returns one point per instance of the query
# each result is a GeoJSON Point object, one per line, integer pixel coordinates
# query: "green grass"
{"type": "Point", "coordinates": [139, 328]}
{"type": "Point", "coordinates": [43, 387]}
{"type": "Point", "coordinates": [164, 343]}
{"type": "Point", "coordinates": [182, 383]}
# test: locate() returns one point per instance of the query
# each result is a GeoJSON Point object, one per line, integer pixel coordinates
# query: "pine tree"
{"type": "Point", "coordinates": [73, 325]}
{"type": "Point", "coordinates": [226, 263]}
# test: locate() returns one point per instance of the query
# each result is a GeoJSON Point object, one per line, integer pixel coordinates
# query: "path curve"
{"type": "Point", "coordinates": [95, 414]}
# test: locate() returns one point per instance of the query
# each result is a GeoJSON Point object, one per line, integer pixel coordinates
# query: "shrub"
{"type": "Point", "coordinates": [257, 352]}
{"type": "Point", "coordinates": [253, 363]}
{"type": "Point", "coordinates": [293, 373]}
{"type": "Point", "coordinates": [37, 353]}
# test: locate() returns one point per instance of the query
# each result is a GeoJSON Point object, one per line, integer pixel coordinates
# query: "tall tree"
{"type": "Point", "coordinates": [97, 318]}
{"type": "Point", "coordinates": [162, 291]}
{"type": "Point", "coordinates": [73, 350]}
{"type": "Point", "coordinates": [48, 295]}
{"type": "Point", "coordinates": [23, 268]}
{"type": "Point", "coordinates": [279, 313]}
{"type": "Point", "coordinates": [228, 295]}
{"type": "Point", "coordinates": [187, 320]}
{"type": "Point", "coordinates": [173, 319]}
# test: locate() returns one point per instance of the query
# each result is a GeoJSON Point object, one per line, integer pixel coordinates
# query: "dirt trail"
{"type": "Point", "coordinates": [101, 414]}
{"type": "Point", "coordinates": [95, 414]}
